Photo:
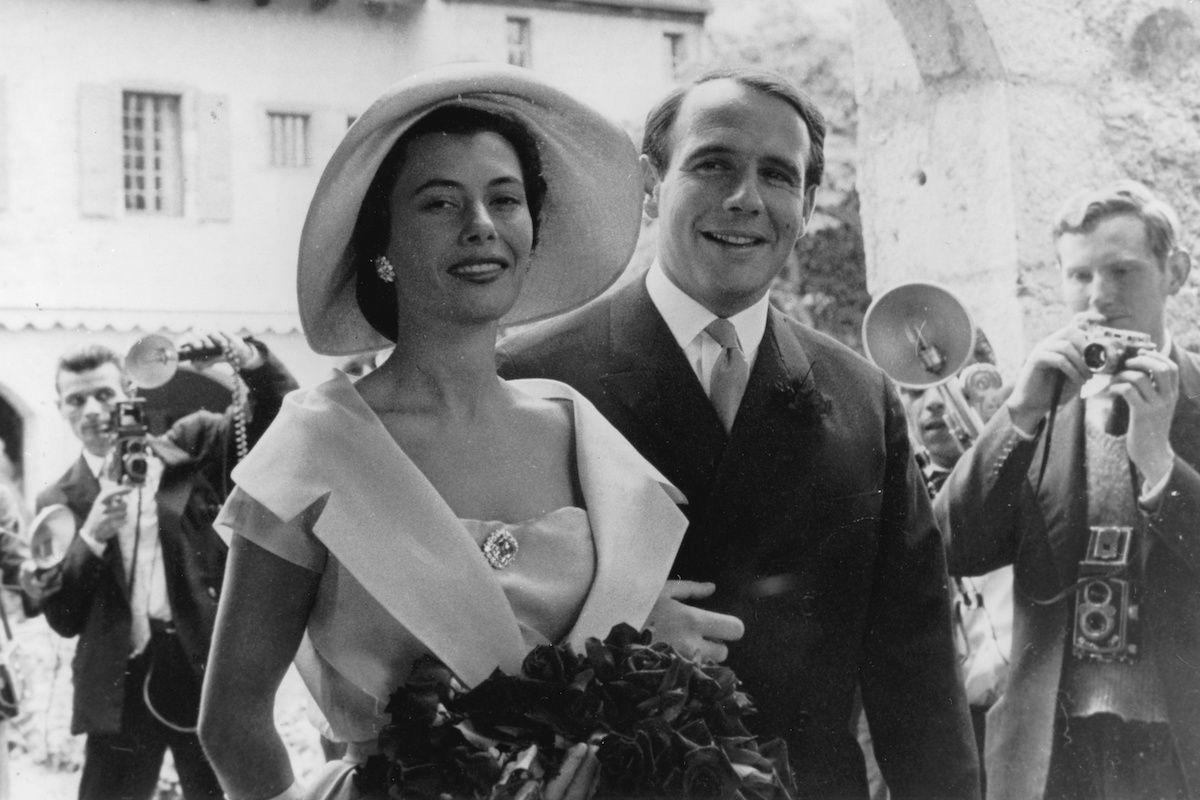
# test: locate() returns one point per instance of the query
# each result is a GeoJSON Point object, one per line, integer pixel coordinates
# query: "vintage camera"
{"type": "Point", "coordinates": [1108, 349]}
{"type": "Point", "coordinates": [131, 452]}
{"type": "Point", "coordinates": [1106, 599]}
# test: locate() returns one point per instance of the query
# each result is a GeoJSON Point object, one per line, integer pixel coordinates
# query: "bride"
{"type": "Point", "coordinates": [432, 507]}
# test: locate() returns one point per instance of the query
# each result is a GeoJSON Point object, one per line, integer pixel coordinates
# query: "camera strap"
{"type": "Point", "coordinates": [1055, 399]}
{"type": "Point", "coordinates": [137, 543]}
{"type": "Point", "coordinates": [1070, 589]}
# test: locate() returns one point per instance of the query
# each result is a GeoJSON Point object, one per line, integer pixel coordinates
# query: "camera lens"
{"type": "Point", "coordinates": [1096, 356]}
{"type": "Point", "coordinates": [1097, 624]}
{"type": "Point", "coordinates": [1098, 593]}
{"type": "Point", "coordinates": [136, 467]}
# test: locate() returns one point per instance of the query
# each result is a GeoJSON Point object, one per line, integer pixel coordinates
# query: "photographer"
{"type": "Point", "coordinates": [141, 579]}
{"type": "Point", "coordinates": [1102, 527]}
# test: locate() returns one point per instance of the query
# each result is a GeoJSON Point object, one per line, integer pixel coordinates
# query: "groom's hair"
{"type": "Point", "coordinates": [657, 136]}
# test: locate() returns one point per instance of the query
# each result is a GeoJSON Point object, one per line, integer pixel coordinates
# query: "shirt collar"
{"type": "Point", "coordinates": [687, 318]}
{"type": "Point", "coordinates": [95, 463]}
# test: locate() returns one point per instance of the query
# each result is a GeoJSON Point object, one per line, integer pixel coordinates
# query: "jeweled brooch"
{"type": "Point", "coordinates": [500, 548]}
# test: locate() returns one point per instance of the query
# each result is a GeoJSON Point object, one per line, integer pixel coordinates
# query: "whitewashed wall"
{"type": "Point", "coordinates": [75, 267]}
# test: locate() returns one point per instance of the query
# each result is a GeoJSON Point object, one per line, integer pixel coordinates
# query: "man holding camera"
{"type": "Point", "coordinates": [140, 581]}
{"type": "Point", "coordinates": [1102, 527]}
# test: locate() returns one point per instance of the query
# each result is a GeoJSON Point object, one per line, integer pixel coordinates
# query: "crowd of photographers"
{"type": "Point", "coordinates": [1096, 698]}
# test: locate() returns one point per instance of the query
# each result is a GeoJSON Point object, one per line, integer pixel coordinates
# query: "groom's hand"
{"type": "Point", "coordinates": [694, 632]}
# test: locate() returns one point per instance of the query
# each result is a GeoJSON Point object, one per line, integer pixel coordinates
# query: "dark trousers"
{"type": "Point", "coordinates": [979, 725]}
{"type": "Point", "coordinates": [126, 765]}
{"type": "Point", "coordinates": [1103, 757]}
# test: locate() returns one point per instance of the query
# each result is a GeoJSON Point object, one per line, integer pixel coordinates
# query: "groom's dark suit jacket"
{"type": "Point", "coordinates": [811, 518]}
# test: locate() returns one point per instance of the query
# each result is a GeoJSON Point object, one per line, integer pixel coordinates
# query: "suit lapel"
{"type": "Point", "coordinates": [1063, 493]}
{"type": "Point", "coordinates": [1185, 426]}
{"type": "Point", "coordinates": [81, 490]}
{"type": "Point", "coordinates": [662, 408]}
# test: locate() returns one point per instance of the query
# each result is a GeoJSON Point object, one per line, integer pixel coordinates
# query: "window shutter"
{"type": "Point", "coordinates": [99, 150]}
{"type": "Point", "coordinates": [3, 147]}
{"type": "Point", "coordinates": [214, 168]}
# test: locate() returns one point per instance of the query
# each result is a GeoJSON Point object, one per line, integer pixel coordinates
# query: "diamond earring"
{"type": "Point", "coordinates": [384, 269]}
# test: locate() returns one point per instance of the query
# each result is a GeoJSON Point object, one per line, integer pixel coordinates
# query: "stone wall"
{"type": "Point", "coordinates": [978, 117]}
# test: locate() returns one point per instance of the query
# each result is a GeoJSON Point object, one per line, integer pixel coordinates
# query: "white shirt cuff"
{"type": "Point", "coordinates": [1021, 433]}
{"type": "Point", "coordinates": [1151, 496]}
{"type": "Point", "coordinates": [96, 546]}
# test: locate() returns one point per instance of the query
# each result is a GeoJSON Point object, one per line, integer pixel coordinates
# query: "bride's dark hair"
{"type": "Point", "coordinates": [372, 231]}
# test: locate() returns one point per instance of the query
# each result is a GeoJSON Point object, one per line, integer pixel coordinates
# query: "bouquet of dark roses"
{"type": "Point", "coordinates": [665, 725]}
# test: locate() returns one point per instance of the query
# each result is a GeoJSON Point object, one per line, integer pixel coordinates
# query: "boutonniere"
{"type": "Point", "coordinates": [801, 398]}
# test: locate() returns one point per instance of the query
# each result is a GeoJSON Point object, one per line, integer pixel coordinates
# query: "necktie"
{"type": "Point", "coordinates": [138, 540]}
{"type": "Point", "coordinates": [730, 373]}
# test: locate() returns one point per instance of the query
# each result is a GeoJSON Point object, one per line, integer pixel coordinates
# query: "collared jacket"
{"type": "Point", "coordinates": [993, 517]}
{"type": "Point", "coordinates": [812, 519]}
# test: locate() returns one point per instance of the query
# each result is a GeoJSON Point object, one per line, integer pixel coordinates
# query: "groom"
{"type": "Point", "coordinates": [806, 509]}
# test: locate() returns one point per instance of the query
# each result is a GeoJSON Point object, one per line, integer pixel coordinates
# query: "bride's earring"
{"type": "Point", "coordinates": [384, 269]}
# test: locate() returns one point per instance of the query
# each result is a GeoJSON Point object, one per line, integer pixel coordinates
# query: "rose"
{"type": "Point", "coordinates": [503, 702]}
{"type": "Point", "coordinates": [669, 727]}
{"type": "Point", "coordinates": [583, 703]}
{"type": "Point", "coordinates": [601, 659]}
{"type": "Point", "coordinates": [668, 705]}
{"type": "Point", "coordinates": [623, 636]}
{"type": "Point", "coordinates": [645, 683]}
{"type": "Point", "coordinates": [639, 766]}
{"type": "Point", "coordinates": [707, 773]}
{"type": "Point", "coordinates": [801, 398]}
{"type": "Point", "coordinates": [710, 684]}
{"type": "Point", "coordinates": [622, 762]}
{"type": "Point", "coordinates": [655, 657]}
{"type": "Point", "coordinates": [549, 663]}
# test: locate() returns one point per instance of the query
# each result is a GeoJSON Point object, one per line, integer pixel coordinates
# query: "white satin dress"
{"type": "Point", "coordinates": [328, 489]}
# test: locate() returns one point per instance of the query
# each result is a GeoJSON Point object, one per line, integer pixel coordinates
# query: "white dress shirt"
{"type": "Point", "coordinates": [687, 320]}
{"type": "Point", "coordinates": [149, 596]}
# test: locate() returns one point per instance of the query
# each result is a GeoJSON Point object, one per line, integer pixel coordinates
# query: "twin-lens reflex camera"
{"type": "Point", "coordinates": [1106, 598]}
{"type": "Point", "coordinates": [1108, 349]}
{"type": "Point", "coordinates": [131, 452]}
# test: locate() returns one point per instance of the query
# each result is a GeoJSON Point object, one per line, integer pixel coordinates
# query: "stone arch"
{"type": "Point", "coordinates": [949, 39]}
{"type": "Point", "coordinates": [978, 117]}
{"type": "Point", "coordinates": [14, 435]}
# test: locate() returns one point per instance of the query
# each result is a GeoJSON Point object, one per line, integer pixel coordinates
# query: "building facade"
{"type": "Point", "coordinates": [157, 156]}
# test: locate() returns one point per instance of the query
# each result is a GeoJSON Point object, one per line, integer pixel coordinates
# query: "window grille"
{"type": "Point", "coordinates": [520, 52]}
{"type": "Point", "coordinates": [289, 139]}
{"type": "Point", "coordinates": [152, 153]}
{"type": "Point", "coordinates": [676, 52]}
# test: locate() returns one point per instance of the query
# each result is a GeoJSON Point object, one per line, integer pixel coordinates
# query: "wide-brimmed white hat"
{"type": "Point", "coordinates": [589, 220]}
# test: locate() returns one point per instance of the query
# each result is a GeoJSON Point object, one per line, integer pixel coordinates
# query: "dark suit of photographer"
{"type": "Point", "coordinates": [1070, 725]}
{"type": "Point", "coordinates": [126, 738]}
